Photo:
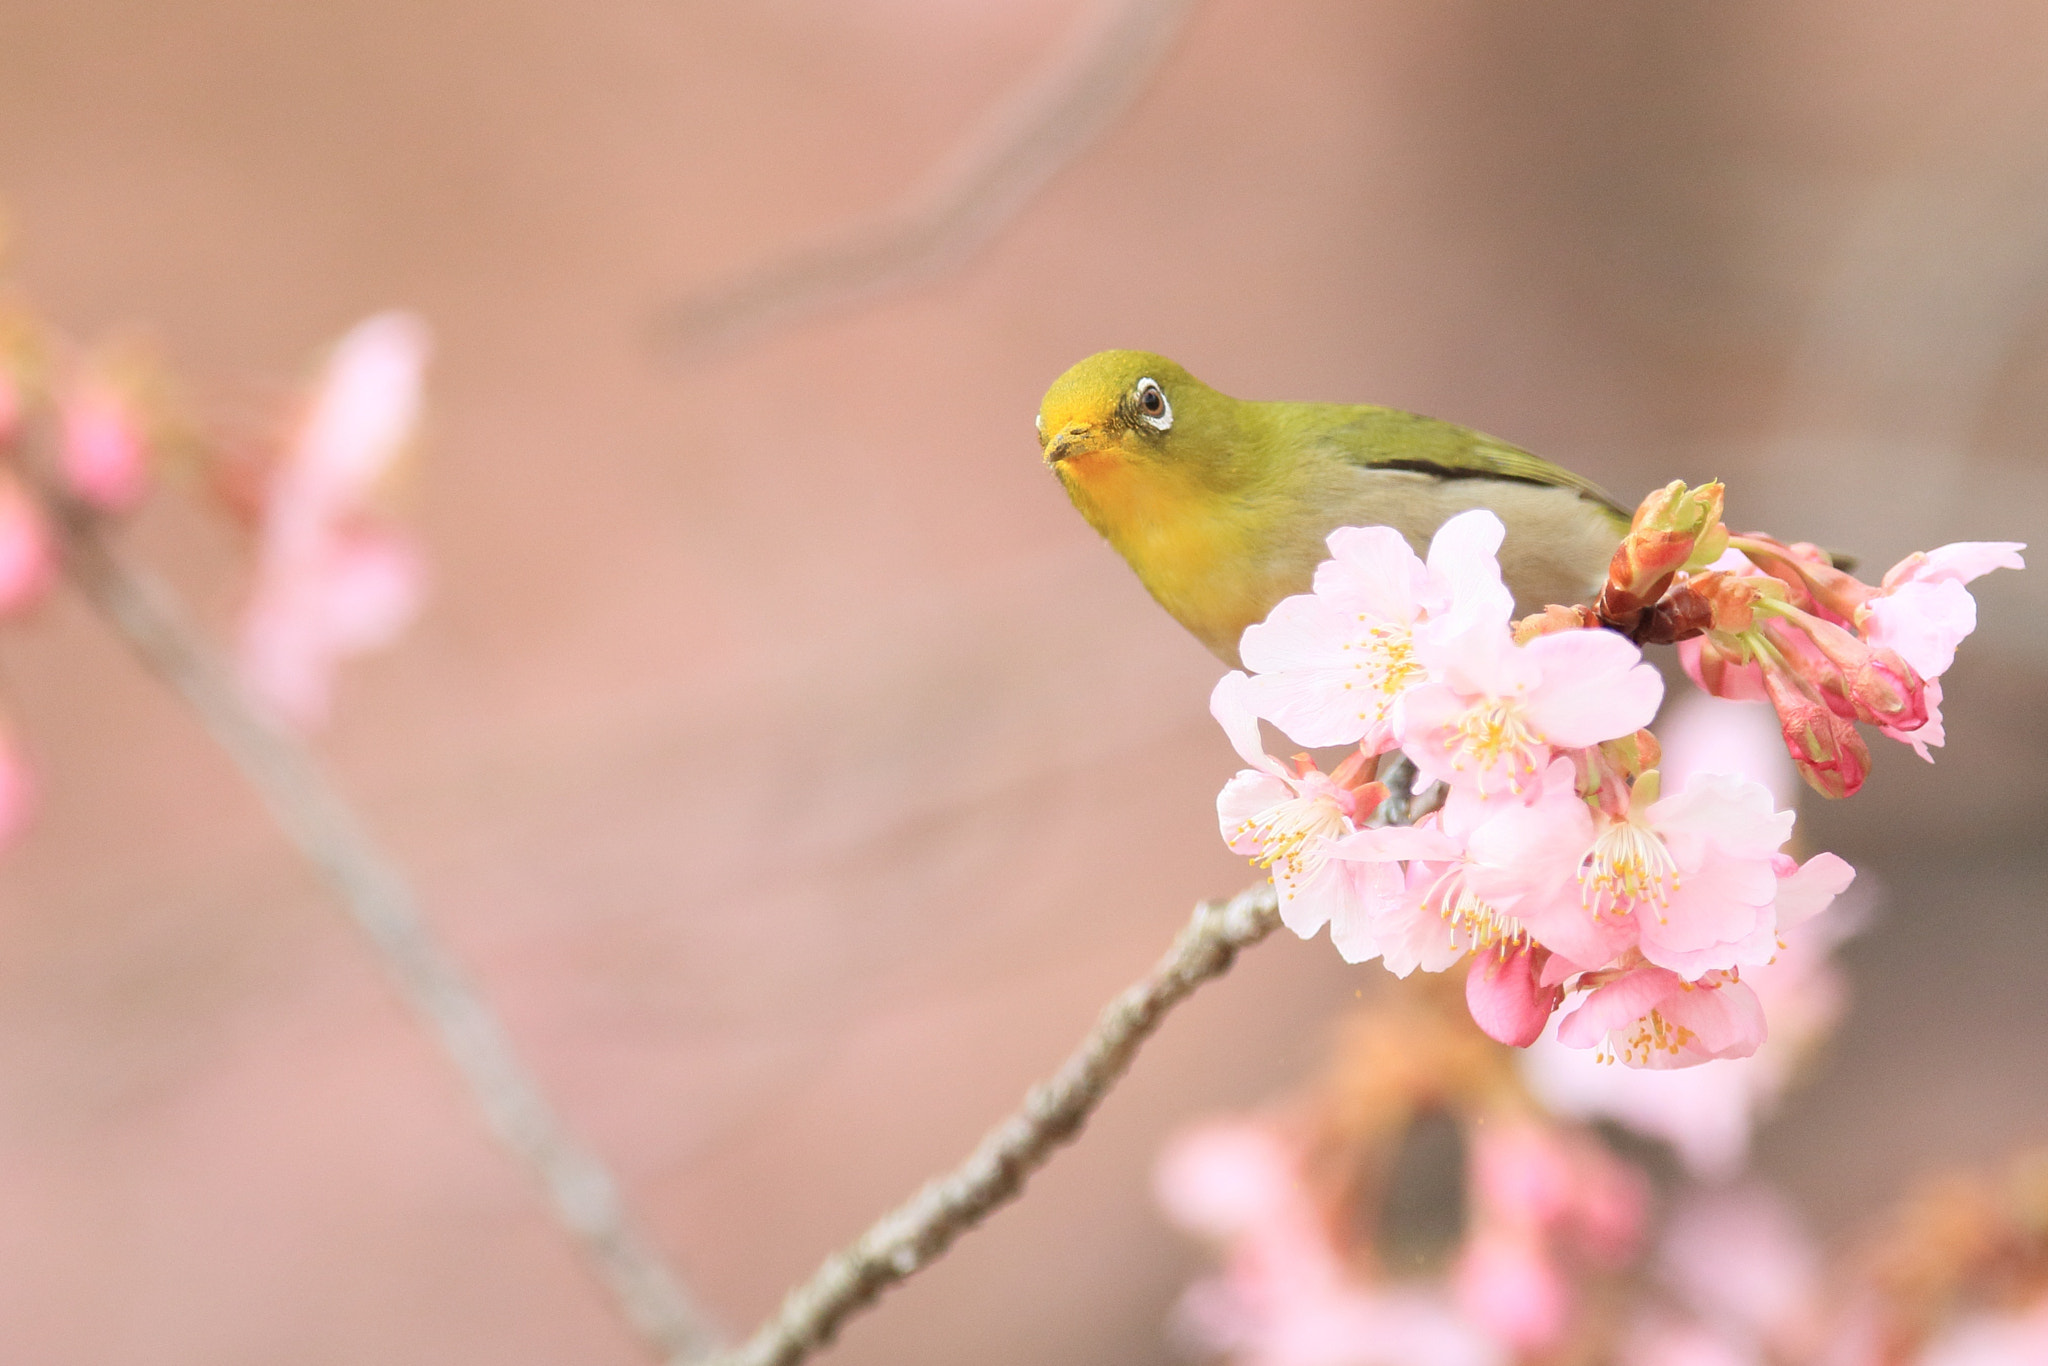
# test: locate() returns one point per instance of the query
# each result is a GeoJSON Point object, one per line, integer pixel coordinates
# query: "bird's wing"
{"type": "Point", "coordinates": [1389, 439]}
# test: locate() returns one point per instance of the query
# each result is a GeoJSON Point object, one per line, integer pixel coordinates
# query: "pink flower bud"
{"type": "Point", "coordinates": [103, 457]}
{"type": "Point", "coordinates": [1810, 572]}
{"type": "Point", "coordinates": [1829, 753]}
{"type": "Point", "coordinates": [1505, 1001]}
{"type": "Point", "coordinates": [27, 560]}
{"type": "Point", "coordinates": [1858, 681]}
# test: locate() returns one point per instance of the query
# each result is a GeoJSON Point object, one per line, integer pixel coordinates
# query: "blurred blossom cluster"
{"type": "Point", "coordinates": [1427, 1205]}
{"type": "Point", "coordinates": [1553, 850]}
{"type": "Point", "coordinates": [83, 431]}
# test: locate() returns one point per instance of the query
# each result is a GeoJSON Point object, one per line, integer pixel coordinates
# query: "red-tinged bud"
{"type": "Point", "coordinates": [1553, 619]}
{"type": "Point", "coordinates": [1669, 531]}
{"type": "Point", "coordinates": [1810, 572]}
{"type": "Point", "coordinates": [1825, 747]}
{"type": "Point", "coordinates": [1864, 683]}
{"type": "Point", "coordinates": [1730, 599]}
{"type": "Point", "coordinates": [1503, 994]}
{"type": "Point", "coordinates": [1718, 666]}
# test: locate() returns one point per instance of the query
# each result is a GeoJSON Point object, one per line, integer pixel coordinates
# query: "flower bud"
{"type": "Point", "coordinates": [1810, 572]}
{"type": "Point", "coordinates": [1865, 683]}
{"type": "Point", "coordinates": [1503, 994]}
{"type": "Point", "coordinates": [104, 453]}
{"type": "Point", "coordinates": [1672, 529]}
{"type": "Point", "coordinates": [1553, 619]}
{"type": "Point", "coordinates": [1828, 752]}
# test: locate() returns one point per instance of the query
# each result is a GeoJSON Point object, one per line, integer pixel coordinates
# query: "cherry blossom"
{"type": "Point", "coordinates": [1828, 650]}
{"type": "Point", "coordinates": [1540, 1193]}
{"type": "Point", "coordinates": [1493, 712]}
{"type": "Point", "coordinates": [1287, 1297]}
{"type": "Point", "coordinates": [1647, 1016]}
{"type": "Point", "coordinates": [329, 582]}
{"type": "Point", "coordinates": [1330, 663]}
{"type": "Point", "coordinates": [1286, 819]}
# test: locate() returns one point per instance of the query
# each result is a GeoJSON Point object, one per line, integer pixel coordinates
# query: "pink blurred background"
{"type": "Point", "coordinates": [796, 770]}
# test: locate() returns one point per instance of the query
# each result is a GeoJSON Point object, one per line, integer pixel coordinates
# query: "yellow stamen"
{"type": "Point", "coordinates": [1630, 866]}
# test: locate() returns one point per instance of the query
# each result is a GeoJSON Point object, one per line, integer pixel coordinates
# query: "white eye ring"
{"type": "Point", "coordinates": [1149, 388]}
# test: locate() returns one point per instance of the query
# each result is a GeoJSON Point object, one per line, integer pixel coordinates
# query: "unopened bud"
{"type": "Point", "coordinates": [1825, 747]}
{"type": "Point", "coordinates": [1553, 619]}
{"type": "Point", "coordinates": [1671, 530]}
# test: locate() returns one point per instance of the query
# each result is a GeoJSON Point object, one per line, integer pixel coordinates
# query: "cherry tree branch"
{"type": "Point", "coordinates": [920, 1230]}
{"type": "Point", "coordinates": [968, 197]}
{"type": "Point", "coordinates": [584, 1196]}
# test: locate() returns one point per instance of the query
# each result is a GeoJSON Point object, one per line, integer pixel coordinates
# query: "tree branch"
{"type": "Point", "coordinates": [968, 197]}
{"type": "Point", "coordinates": [584, 1195]}
{"type": "Point", "coordinates": [919, 1231]}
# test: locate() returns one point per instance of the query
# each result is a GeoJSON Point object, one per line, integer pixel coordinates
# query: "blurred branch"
{"type": "Point", "coordinates": [313, 814]}
{"type": "Point", "coordinates": [1101, 69]}
{"type": "Point", "coordinates": [919, 1231]}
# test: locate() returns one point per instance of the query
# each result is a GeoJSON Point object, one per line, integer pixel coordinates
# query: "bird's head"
{"type": "Point", "coordinates": [1126, 426]}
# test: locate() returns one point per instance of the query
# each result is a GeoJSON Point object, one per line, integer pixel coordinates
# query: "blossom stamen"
{"type": "Point", "coordinates": [1492, 732]}
{"type": "Point", "coordinates": [1628, 867]}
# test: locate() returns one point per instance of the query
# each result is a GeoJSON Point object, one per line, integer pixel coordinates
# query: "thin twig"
{"type": "Point", "coordinates": [967, 198]}
{"type": "Point", "coordinates": [916, 1233]}
{"type": "Point", "coordinates": [313, 814]}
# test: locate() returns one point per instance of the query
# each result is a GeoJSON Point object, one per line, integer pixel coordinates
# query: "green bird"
{"type": "Point", "coordinates": [1222, 505]}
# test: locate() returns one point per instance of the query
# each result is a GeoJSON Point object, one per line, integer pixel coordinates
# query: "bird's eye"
{"type": "Point", "coordinates": [1152, 404]}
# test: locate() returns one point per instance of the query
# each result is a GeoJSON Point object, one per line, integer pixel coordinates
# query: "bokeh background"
{"type": "Point", "coordinates": [796, 770]}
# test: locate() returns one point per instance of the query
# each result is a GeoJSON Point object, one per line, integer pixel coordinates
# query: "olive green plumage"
{"type": "Point", "coordinates": [1222, 505]}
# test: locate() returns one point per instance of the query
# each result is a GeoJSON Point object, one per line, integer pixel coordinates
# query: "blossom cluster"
{"type": "Point", "coordinates": [81, 434]}
{"type": "Point", "coordinates": [1549, 854]}
{"type": "Point", "coordinates": [1543, 1242]}
{"type": "Point", "coordinates": [1527, 1226]}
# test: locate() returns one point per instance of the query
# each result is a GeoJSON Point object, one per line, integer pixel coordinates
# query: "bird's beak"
{"type": "Point", "coordinates": [1070, 440]}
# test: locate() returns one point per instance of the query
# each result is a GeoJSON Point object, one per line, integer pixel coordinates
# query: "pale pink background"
{"type": "Point", "coordinates": [793, 766]}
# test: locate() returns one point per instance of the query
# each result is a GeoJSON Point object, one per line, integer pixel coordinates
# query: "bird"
{"type": "Point", "coordinates": [1223, 506]}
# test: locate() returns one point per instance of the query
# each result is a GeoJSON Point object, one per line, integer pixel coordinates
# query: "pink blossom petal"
{"type": "Point", "coordinates": [1923, 621]}
{"type": "Point", "coordinates": [1959, 562]}
{"type": "Point", "coordinates": [1241, 803]}
{"type": "Point", "coordinates": [1230, 702]}
{"type": "Point", "coordinates": [366, 407]}
{"type": "Point", "coordinates": [1354, 917]}
{"type": "Point", "coordinates": [1372, 570]}
{"type": "Point", "coordinates": [1595, 687]}
{"type": "Point", "coordinates": [1505, 1001]}
{"type": "Point", "coordinates": [1812, 889]}
{"type": "Point", "coordinates": [1617, 1005]}
{"type": "Point", "coordinates": [1931, 732]}
{"type": "Point", "coordinates": [1464, 569]}
{"type": "Point", "coordinates": [1734, 815]}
